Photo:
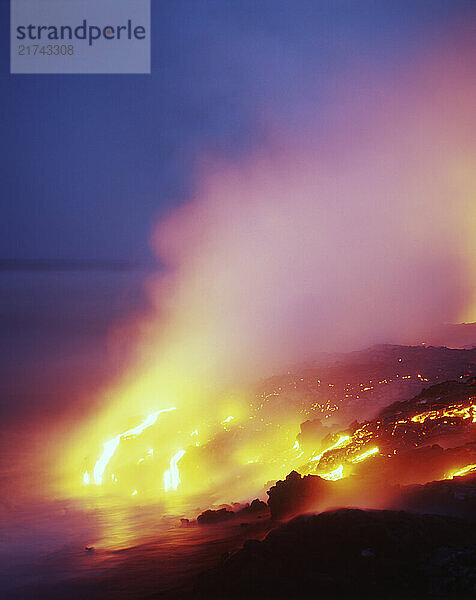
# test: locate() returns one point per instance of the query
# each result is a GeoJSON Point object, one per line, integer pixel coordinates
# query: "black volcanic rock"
{"type": "Point", "coordinates": [433, 397]}
{"type": "Point", "coordinates": [256, 507]}
{"type": "Point", "coordinates": [295, 494]}
{"type": "Point", "coordinates": [455, 497]}
{"type": "Point", "coordinates": [214, 516]}
{"type": "Point", "coordinates": [352, 553]}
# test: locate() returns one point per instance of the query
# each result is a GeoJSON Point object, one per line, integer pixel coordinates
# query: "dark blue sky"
{"type": "Point", "coordinates": [88, 163]}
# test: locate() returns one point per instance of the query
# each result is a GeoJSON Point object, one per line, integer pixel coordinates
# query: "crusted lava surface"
{"type": "Point", "coordinates": [351, 553]}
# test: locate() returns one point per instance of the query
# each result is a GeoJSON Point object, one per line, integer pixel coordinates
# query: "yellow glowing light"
{"type": "Point", "coordinates": [86, 479]}
{"type": "Point", "coordinates": [463, 412]}
{"type": "Point", "coordinates": [111, 446]}
{"type": "Point", "coordinates": [228, 419]}
{"type": "Point", "coordinates": [172, 475]}
{"type": "Point", "coordinates": [296, 445]}
{"type": "Point", "coordinates": [335, 474]}
{"type": "Point", "coordinates": [134, 493]}
{"type": "Point", "coordinates": [340, 442]}
{"type": "Point", "coordinates": [365, 455]}
{"type": "Point", "coordinates": [108, 452]}
{"type": "Point", "coordinates": [463, 471]}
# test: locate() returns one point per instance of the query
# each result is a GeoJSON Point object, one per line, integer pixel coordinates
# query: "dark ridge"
{"type": "Point", "coordinates": [351, 553]}
{"type": "Point", "coordinates": [433, 397]}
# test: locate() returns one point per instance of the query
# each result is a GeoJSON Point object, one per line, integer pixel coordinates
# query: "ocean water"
{"type": "Point", "coordinates": [55, 359]}
{"type": "Point", "coordinates": [137, 551]}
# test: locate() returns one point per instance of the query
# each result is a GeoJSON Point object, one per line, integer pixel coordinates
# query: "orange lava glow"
{"type": "Point", "coordinates": [365, 455]}
{"type": "Point", "coordinates": [463, 412]}
{"type": "Point", "coordinates": [464, 471]}
{"type": "Point", "coordinates": [333, 475]}
{"type": "Point", "coordinates": [273, 260]}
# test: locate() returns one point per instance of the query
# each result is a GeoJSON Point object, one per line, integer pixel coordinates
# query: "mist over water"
{"type": "Point", "coordinates": [44, 552]}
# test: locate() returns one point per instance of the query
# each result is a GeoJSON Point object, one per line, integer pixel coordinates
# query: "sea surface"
{"type": "Point", "coordinates": [62, 550]}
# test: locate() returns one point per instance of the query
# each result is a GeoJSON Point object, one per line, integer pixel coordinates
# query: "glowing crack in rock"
{"type": "Point", "coordinates": [111, 446]}
{"type": "Point", "coordinates": [172, 475]}
{"type": "Point", "coordinates": [335, 474]}
{"type": "Point", "coordinates": [365, 455]}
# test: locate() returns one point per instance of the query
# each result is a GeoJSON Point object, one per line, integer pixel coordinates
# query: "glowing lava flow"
{"type": "Point", "coordinates": [340, 442]}
{"type": "Point", "coordinates": [416, 430]}
{"type": "Point", "coordinates": [463, 471]}
{"type": "Point", "coordinates": [365, 455]}
{"type": "Point", "coordinates": [466, 412]}
{"type": "Point", "coordinates": [172, 475]}
{"type": "Point", "coordinates": [344, 456]}
{"type": "Point", "coordinates": [338, 473]}
{"type": "Point", "coordinates": [335, 474]}
{"type": "Point", "coordinates": [111, 446]}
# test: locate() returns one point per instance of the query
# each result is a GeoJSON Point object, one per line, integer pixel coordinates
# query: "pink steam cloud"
{"type": "Point", "coordinates": [327, 241]}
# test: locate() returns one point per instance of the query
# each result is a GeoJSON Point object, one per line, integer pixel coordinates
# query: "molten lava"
{"type": "Point", "coordinates": [334, 475]}
{"type": "Point", "coordinates": [110, 447]}
{"type": "Point", "coordinates": [240, 452]}
{"type": "Point", "coordinates": [466, 412]}
{"type": "Point", "coordinates": [365, 455]}
{"type": "Point", "coordinates": [463, 471]}
{"type": "Point", "coordinates": [172, 475]}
